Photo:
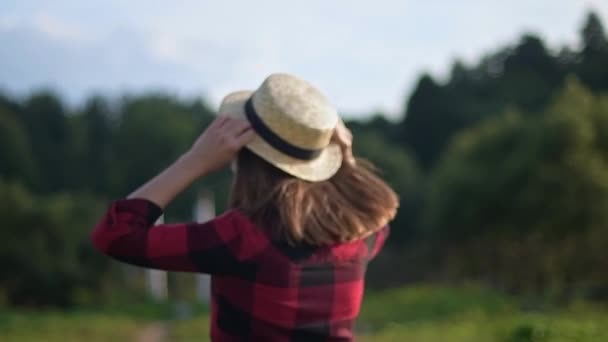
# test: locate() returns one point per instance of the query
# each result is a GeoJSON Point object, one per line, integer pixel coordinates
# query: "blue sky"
{"type": "Point", "coordinates": [364, 55]}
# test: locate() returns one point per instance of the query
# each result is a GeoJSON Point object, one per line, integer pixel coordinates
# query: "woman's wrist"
{"type": "Point", "coordinates": [173, 180]}
{"type": "Point", "coordinates": [193, 164]}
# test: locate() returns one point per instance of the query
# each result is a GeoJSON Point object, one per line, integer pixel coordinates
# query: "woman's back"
{"type": "Point", "coordinates": [294, 293]}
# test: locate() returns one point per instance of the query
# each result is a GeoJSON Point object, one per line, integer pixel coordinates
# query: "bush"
{"type": "Point", "coordinates": [522, 201]}
{"type": "Point", "coordinates": [45, 248]}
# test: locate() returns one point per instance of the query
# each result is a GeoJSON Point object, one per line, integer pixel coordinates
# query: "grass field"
{"type": "Point", "coordinates": [422, 313]}
{"type": "Point", "coordinates": [68, 327]}
{"type": "Point", "coordinates": [428, 314]}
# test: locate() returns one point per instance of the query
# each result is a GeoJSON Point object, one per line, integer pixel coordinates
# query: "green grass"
{"type": "Point", "coordinates": [503, 328]}
{"type": "Point", "coordinates": [117, 321]}
{"type": "Point", "coordinates": [67, 327]}
{"type": "Point", "coordinates": [429, 304]}
{"type": "Point", "coordinates": [414, 314]}
{"type": "Point", "coordinates": [196, 329]}
{"type": "Point", "coordinates": [436, 314]}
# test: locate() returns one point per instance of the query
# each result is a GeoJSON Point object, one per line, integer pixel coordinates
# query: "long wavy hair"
{"type": "Point", "coordinates": [351, 205]}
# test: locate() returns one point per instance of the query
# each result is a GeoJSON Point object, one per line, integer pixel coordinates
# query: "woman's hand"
{"type": "Point", "coordinates": [219, 143]}
{"type": "Point", "coordinates": [343, 137]}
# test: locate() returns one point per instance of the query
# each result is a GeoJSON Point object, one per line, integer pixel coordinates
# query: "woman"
{"type": "Point", "coordinates": [287, 260]}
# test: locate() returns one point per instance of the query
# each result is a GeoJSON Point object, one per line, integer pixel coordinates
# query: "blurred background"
{"type": "Point", "coordinates": [489, 118]}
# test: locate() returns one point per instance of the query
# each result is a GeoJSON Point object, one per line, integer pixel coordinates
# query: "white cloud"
{"type": "Point", "coordinates": [55, 28]}
{"type": "Point", "coordinates": [167, 48]}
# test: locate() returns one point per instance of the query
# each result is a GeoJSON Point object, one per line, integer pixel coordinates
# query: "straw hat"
{"type": "Point", "coordinates": [294, 124]}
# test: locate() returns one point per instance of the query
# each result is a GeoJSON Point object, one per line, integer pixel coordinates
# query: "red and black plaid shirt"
{"type": "Point", "coordinates": [261, 290]}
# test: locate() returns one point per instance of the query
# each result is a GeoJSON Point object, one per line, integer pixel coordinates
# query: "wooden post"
{"type": "Point", "coordinates": [204, 210]}
{"type": "Point", "coordinates": [157, 280]}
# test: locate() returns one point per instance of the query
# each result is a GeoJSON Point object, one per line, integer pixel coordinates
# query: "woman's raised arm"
{"type": "Point", "coordinates": [214, 149]}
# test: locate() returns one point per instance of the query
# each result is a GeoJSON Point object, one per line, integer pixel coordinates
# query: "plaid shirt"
{"type": "Point", "coordinates": [261, 290]}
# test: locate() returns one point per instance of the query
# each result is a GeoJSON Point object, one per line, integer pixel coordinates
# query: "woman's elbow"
{"type": "Point", "coordinates": [99, 239]}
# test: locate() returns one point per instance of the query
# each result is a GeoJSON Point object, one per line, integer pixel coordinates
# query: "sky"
{"type": "Point", "coordinates": [365, 56]}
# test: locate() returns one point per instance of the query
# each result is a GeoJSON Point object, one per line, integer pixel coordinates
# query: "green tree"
{"type": "Point", "coordinates": [152, 131]}
{"type": "Point", "coordinates": [45, 250]}
{"type": "Point", "coordinates": [96, 145]}
{"type": "Point", "coordinates": [593, 68]}
{"type": "Point", "coordinates": [594, 36]}
{"type": "Point", "coordinates": [15, 155]}
{"type": "Point", "coordinates": [531, 76]}
{"type": "Point", "coordinates": [524, 76]}
{"type": "Point", "coordinates": [428, 124]}
{"type": "Point", "coordinates": [48, 130]}
{"type": "Point", "coordinates": [404, 176]}
{"type": "Point", "coordinates": [527, 189]}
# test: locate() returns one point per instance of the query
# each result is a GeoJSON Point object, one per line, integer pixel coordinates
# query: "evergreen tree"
{"type": "Point", "coordinates": [593, 67]}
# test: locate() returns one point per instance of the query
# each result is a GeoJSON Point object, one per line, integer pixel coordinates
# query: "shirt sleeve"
{"type": "Point", "coordinates": [376, 241]}
{"type": "Point", "coordinates": [226, 245]}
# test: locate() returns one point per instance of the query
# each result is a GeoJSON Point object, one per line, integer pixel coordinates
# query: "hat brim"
{"type": "Point", "coordinates": [321, 168]}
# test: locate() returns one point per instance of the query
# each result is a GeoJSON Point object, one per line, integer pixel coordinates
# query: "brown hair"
{"type": "Point", "coordinates": [352, 204]}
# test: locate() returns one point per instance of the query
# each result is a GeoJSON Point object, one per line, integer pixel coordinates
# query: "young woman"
{"type": "Point", "coordinates": [288, 258]}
